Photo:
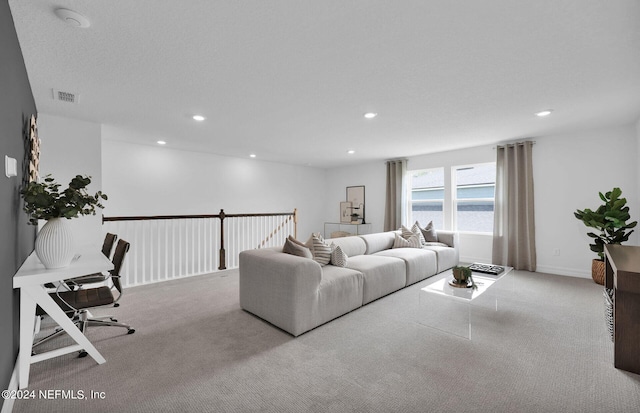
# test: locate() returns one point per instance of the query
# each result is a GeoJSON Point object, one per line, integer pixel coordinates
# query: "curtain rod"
{"type": "Point", "coordinates": [513, 143]}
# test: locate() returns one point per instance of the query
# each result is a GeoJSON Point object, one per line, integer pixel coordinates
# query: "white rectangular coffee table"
{"type": "Point", "coordinates": [449, 308]}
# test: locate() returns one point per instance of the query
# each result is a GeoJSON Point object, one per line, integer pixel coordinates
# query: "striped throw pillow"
{"type": "Point", "coordinates": [321, 251]}
{"type": "Point", "coordinates": [416, 230]}
{"type": "Point", "coordinates": [338, 257]}
{"type": "Point", "coordinates": [412, 242]}
{"type": "Point", "coordinates": [405, 232]}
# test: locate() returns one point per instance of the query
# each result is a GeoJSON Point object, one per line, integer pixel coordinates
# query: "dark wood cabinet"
{"type": "Point", "coordinates": [622, 266]}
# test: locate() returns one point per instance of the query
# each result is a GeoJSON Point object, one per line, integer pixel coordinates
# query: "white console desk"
{"type": "Point", "coordinates": [30, 279]}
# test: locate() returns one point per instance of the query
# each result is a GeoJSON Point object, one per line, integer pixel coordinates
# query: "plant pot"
{"type": "Point", "coordinates": [597, 271]}
{"type": "Point", "coordinates": [54, 244]}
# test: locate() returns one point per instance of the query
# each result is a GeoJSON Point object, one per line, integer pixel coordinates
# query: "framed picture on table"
{"type": "Point", "coordinates": [355, 195]}
{"type": "Point", "coordinates": [345, 212]}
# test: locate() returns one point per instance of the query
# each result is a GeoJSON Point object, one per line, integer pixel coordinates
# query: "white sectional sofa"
{"type": "Point", "coordinates": [297, 294]}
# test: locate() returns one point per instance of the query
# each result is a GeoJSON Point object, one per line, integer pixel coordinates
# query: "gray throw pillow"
{"type": "Point", "coordinates": [296, 248]}
{"type": "Point", "coordinates": [429, 233]}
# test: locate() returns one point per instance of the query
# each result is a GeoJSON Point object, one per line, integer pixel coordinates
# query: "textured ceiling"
{"type": "Point", "coordinates": [290, 80]}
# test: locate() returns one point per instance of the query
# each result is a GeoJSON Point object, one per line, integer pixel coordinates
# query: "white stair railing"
{"type": "Point", "coordinates": [171, 247]}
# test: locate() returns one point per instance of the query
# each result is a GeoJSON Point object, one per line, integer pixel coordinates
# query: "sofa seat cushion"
{"type": "Point", "coordinates": [340, 291]}
{"type": "Point", "coordinates": [447, 256]}
{"type": "Point", "coordinates": [420, 263]}
{"type": "Point", "coordinates": [381, 275]}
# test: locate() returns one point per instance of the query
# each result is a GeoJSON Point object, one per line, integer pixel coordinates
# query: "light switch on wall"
{"type": "Point", "coordinates": [10, 166]}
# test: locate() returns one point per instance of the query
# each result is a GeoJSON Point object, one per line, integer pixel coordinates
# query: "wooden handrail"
{"type": "Point", "coordinates": [221, 216]}
{"type": "Point", "coordinates": [156, 217]}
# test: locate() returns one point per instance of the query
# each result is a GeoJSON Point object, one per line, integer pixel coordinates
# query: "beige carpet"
{"type": "Point", "coordinates": [546, 349]}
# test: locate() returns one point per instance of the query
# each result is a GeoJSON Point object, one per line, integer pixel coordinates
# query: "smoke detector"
{"type": "Point", "coordinates": [72, 18]}
{"type": "Point", "coordinates": [62, 96]}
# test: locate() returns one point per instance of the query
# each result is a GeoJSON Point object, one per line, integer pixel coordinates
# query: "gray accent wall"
{"type": "Point", "coordinates": [16, 237]}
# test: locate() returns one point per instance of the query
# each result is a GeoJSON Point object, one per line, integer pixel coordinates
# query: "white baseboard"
{"type": "Point", "coordinates": [570, 272]}
{"type": "Point", "coordinates": [7, 405]}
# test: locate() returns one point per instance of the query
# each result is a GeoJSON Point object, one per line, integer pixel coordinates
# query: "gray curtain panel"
{"type": "Point", "coordinates": [395, 194]}
{"type": "Point", "coordinates": [514, 236]}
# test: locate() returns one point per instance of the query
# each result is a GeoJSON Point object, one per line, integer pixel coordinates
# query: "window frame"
{"type": "Point", "coordinates": [455, 200]}
{"type": "Point", "coordinates": [450, 193]}
{"type": "Point", "coordinates": [409, 191]}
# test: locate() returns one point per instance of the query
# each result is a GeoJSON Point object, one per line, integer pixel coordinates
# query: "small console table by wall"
{"type": "Point", "coordinates": [30, 279]}
{"type": "Point", "coordinates": [351, 229]}
{"type": "Point", "coordinates": [622, 266]}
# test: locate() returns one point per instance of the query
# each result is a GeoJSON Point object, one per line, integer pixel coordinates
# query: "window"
{"type": "Point", "coordinates": [427, 196]}
{"type": "Point", "coordinates": [473, 198]}
{"type": "Point", "coordinates": [460, 198]}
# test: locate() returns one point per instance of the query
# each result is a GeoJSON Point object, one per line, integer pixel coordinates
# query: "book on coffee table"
{"type": "Point", "coordinates": [486, 268]}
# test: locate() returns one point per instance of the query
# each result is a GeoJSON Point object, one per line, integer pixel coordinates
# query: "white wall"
{"type": "Point", "coordinates": [370, 175]}
{"type": "Point", "coordinates": [474, 247]}
{"type": "Point", "coordinates": [155, 180]}
{"type": "Point", "coordinates": [569, 171]}
{"type": "Point", "coordinates": [71, 147]}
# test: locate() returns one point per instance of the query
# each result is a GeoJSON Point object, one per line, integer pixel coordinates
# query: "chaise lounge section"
{"type": "Point", "coordinates": [297, 294]}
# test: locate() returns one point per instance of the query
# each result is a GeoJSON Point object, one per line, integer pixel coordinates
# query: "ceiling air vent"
{"type": "Point", "coordinates": [62, 96]}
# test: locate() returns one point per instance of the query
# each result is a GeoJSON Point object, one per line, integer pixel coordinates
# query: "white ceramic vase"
{"type": "Point", "coordinates": [54, 244]}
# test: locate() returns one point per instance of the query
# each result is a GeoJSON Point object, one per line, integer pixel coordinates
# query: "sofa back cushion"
{"type": "Point", "coordinates": [379, 241]}
{"type": "Point", "coordinates": [351, 246]}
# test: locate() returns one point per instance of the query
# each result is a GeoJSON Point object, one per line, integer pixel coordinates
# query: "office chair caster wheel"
{"type": "Point", "coordinates": [82, 354]}
{"type": "Point", "coordinates": [131, 331]}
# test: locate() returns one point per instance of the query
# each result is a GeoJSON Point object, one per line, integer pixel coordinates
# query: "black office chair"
{"type": "Point", "coordinates": [76, 303]}
{"type": "Point", "coordinates": [107, 246]}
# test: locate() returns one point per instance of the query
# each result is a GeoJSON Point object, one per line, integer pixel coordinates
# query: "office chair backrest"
{"type": "Point", "coordinates": [107, 245]}
{"type": "Point", "coordinates": [118, 258]}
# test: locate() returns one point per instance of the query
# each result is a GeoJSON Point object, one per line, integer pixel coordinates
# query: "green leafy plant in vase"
{"type": "Point", "coordinates": [610, 221]}
{"type": "Point", "coordinates": [46, 201]}
{"type": "Point", "coordinates": [462, 276]}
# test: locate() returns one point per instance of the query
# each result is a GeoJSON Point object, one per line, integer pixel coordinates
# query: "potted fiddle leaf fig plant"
{"type": "Point", "coordinates": [46, 201]}
{"type": "Point", "coordinates": [610, 221]}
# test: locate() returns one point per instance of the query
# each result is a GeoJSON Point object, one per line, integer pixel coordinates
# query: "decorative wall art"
{"type": "Point", "coordinates": [355, 195]}
{"type": "Point", "coordinates": [345, 212]}
{"type": "Point", "coordinates": [34, 150]}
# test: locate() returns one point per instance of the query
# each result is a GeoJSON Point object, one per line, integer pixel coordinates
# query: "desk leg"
{"type": "Point", "coordinates": [27, 315]}
{"type": "Point", "coordinates": [40, 296]}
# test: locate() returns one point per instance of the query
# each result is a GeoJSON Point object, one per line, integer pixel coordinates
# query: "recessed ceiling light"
{"type": "Point", "coordinates": [72, 18]}
{"type": "Point", "coordinates": [351, 151]}
{"type": "Point", "coordinates": [161, 143]}
{"type": "Point", "coordinates": [199, 118]}
{"type": "Point", "coordinates": [370, 115]}
{"type": "Point", "coordinates": [544, 113]}
{"type": "Point", "coordinates": [253, 155]}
